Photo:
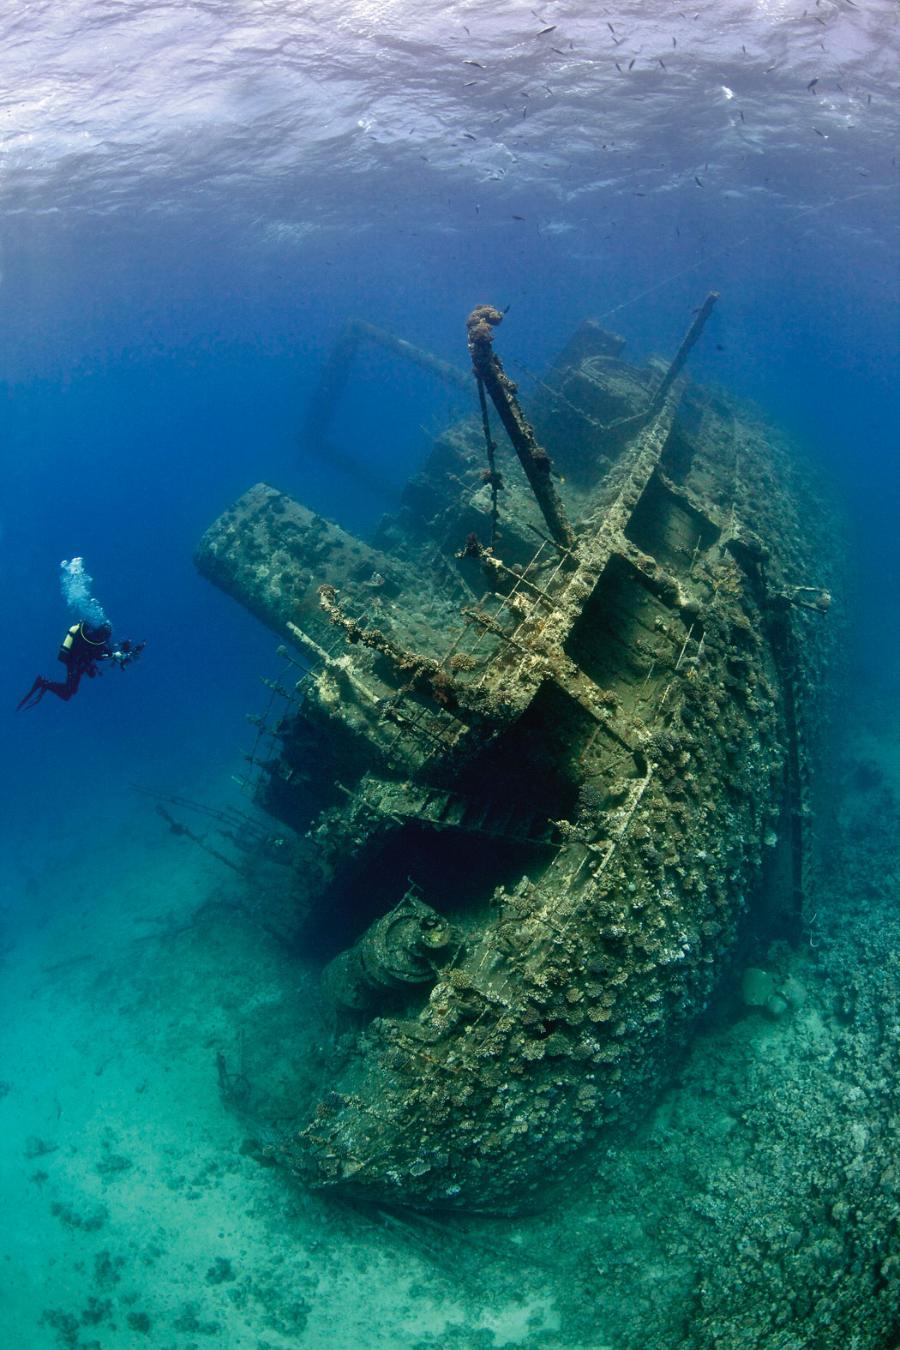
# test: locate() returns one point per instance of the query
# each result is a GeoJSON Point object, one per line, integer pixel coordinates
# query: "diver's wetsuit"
{"type": "Point", "coordinates": [82, 649]}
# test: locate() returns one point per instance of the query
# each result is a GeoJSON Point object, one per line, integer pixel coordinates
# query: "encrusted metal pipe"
{"type": "Point", "coordinates": [532, 456]}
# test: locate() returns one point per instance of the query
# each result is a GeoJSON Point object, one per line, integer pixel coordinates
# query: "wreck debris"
{"type": "Point", "coordinates": [417, 671]}
{"type": "Point", "coordinates": [533, 458]}
{"type": "Point", "coordinates": [234, 1085]}
{"type": "Point", "coordinates": [337, 367]}
{"type": "Point", "coordinates": [247, 835]}
{"type": "Point", "coordinates": [583, 744]}
{"type": "Point", "coordinates": [178, 828]}
{"type": "Point", "coordinates": [402, 948]}
{"type": "Point", "coordinates": [333, 380]}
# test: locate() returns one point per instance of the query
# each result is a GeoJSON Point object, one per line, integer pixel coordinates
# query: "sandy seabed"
{"type": "Point", "coordinates": [755, 1206]}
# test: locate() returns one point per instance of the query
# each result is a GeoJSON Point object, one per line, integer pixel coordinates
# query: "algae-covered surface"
{"type": "Point", "coordinates": [756, 1199]}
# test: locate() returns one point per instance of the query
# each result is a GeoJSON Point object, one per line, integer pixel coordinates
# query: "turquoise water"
{"type": "Point", "coordinates": [194, 200]}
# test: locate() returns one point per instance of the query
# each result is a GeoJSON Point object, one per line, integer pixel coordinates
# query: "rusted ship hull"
{"type": "Point", "coordinates": [548, 744]}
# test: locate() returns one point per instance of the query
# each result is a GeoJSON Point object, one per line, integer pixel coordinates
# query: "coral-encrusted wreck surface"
{"type": "Point", "coordinates": [554, 736]}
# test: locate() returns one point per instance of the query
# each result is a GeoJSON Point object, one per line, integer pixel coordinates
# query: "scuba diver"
{"type": "Point", "coordinates": [87, 646]}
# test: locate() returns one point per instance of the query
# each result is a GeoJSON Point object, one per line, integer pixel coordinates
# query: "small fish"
{"type": "Point", "coordinates": [868, 100]}
{"type": "Point", "coordinates": [631, 62]}
{"type": "Point", "coordinates": [469, 137]}
{"type": "Point", "coordinates": [474, 63]}
{"type": "Point", "coordinates": [662, 63]}
{"type": "Point", "coordinates": [674, 42]}
{"type": "Point", "coordinates": [618, 68]}
{"type": "Point", "coordinates": [468, 84]}
{"type": "Point", "coordinates": [819, 133]}
{"type": "Point", "coordinates": [812, 84]}
{"type": "Point", "coordinates": [558, 51]}
{"type": "Point", "coordinates": [639, 194]}
{"type": "Point", "coordinates": [609, 26]}
{"type": "Point", "coordinates": [525, 111]}
{"type": "Point", "coordinates": [515, 217]}
{"type": "Point", "coordinates": [698, 181]}
{"type": "Point", "coordinates": [551, 29]}
{"type": "Point", "coordinates": [741, 113]}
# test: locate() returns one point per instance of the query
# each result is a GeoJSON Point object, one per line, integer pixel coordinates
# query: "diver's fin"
{"type": "Point", "coordinates": [34, 695]}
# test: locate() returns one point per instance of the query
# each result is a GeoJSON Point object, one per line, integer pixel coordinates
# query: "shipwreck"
{"type": "Point", "coordinates": [548, 734]}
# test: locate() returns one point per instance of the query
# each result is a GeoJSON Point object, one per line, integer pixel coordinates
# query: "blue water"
{"type": "Point", "coordinates": [143, 397]}
{"type": "Point", "coordinates": [192, 202]}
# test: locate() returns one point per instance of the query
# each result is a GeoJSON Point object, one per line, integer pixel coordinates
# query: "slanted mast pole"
{"type": "Point", "coordinates": [532, 456]}
{"type": "Point", "coordinates": [683, 352]}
